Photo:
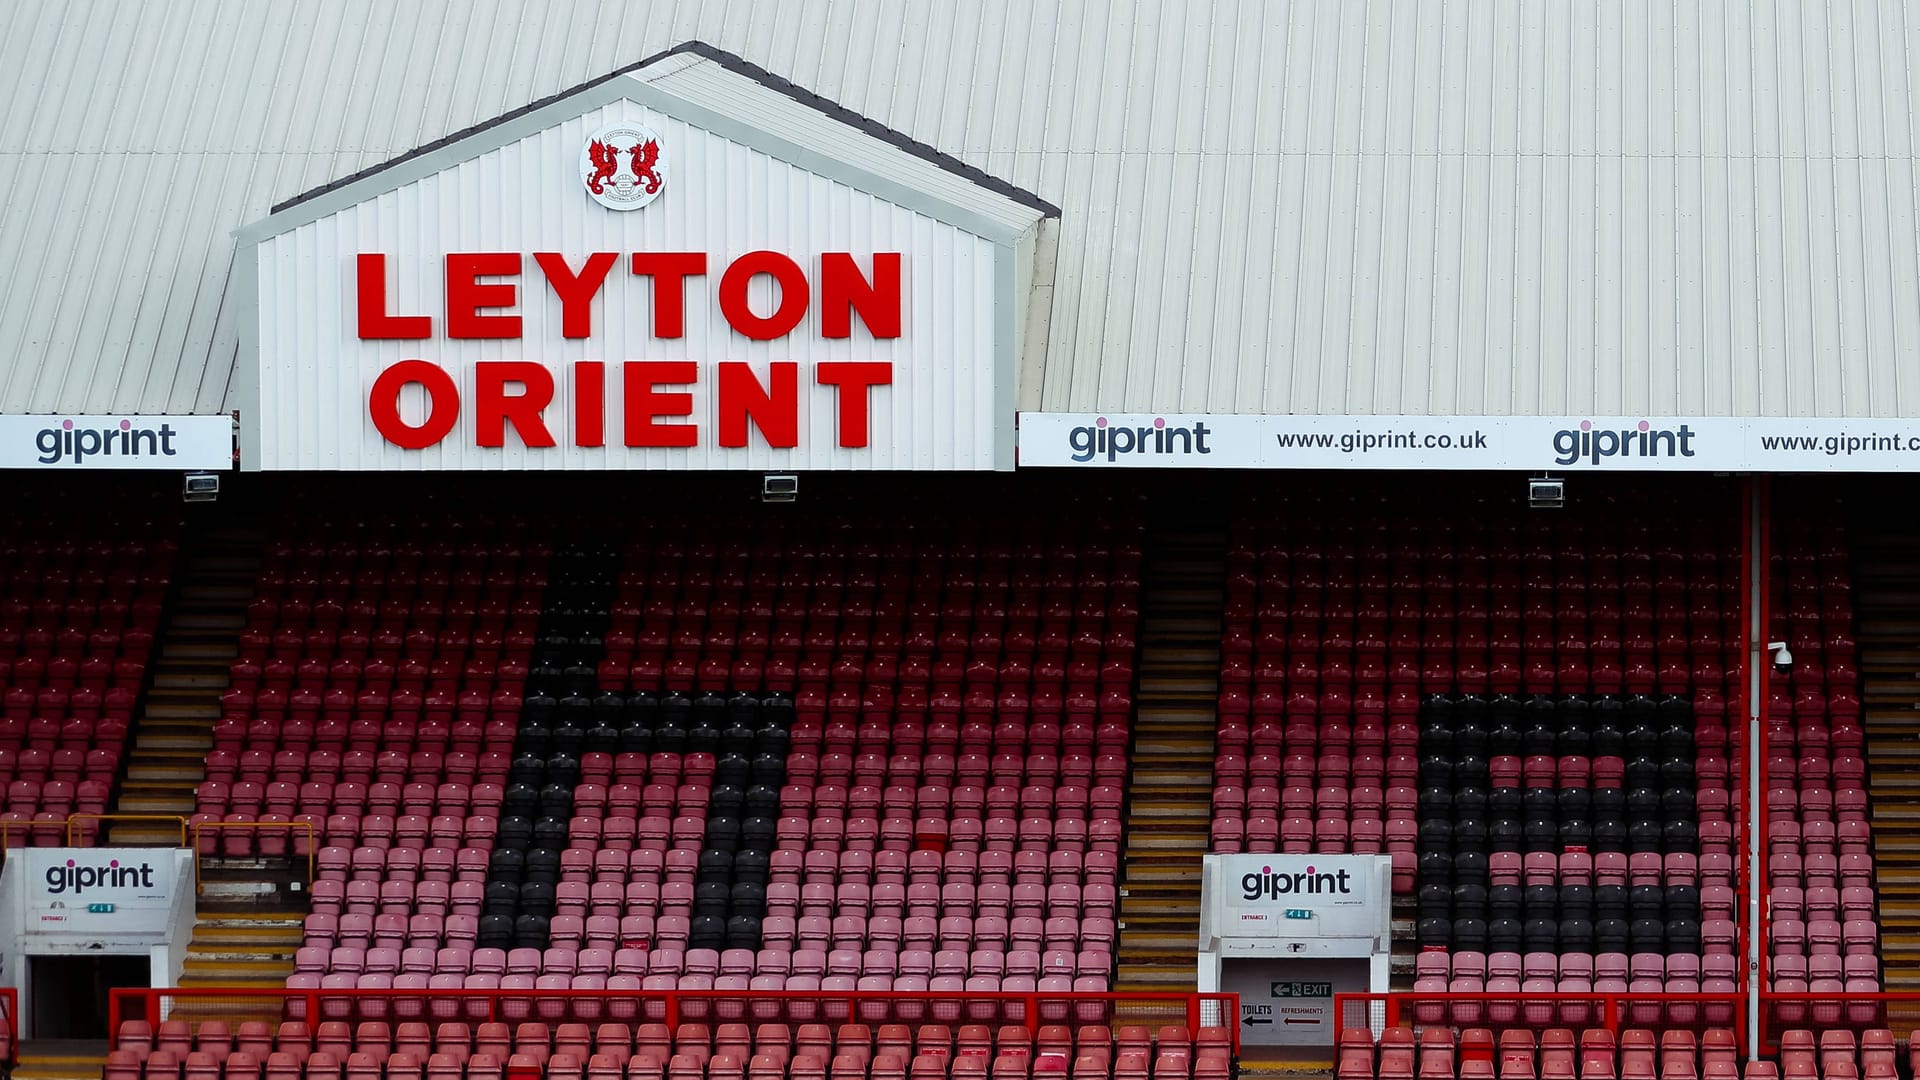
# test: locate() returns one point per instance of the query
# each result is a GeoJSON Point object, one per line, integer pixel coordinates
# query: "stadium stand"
{"type": "Point", "coordinates": [820, 753]}
{"type": "Point", "coordinates": [375, 696]}
{"type": "Point", "coordinates": [761, 754]}
{"type": "Point", "coordinates": [81, 592]}
{"type": "Point", "coordinates": [1526, 712]}
{"type": "Point", "coordinates": [1819, 872]}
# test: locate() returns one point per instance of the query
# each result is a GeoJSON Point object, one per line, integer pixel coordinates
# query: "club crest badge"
{"type": "Point", "coordinates": [623, 166]}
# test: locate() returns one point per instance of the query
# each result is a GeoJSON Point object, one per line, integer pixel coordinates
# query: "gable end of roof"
{"type": "Point", "coordinates": [746, 69]}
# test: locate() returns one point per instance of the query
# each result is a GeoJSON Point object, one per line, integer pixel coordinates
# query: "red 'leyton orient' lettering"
{"type": "Point", "coordinates": [510, 398]}
{"type": "Point", "coordinates": [477, 309]}
{"type": "Point", "coordinates": [655, 396]}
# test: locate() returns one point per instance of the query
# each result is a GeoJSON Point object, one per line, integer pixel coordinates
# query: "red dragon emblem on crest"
{"type": "Point", "coordinates": [644, 155]}
{"type": "Point", "coordinates": [623, 166]}
{"type": "Point", "coordinates": [606, 162]}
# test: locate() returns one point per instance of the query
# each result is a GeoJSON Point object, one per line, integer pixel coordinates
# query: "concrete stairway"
{"type": "Point", "coordinates": [1169, 800]}
{"type": "Point", "coordinates": [1886, 594]}
{"type": "Point", "coordinates": [197, 642]}
{"type": "Point", "coordinates": [250, 909]}
{"type": "Point", "coordinates": [241, 949]}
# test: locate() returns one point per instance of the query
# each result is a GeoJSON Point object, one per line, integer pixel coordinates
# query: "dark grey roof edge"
{"type": "Point", "coordinates": [741, 66]}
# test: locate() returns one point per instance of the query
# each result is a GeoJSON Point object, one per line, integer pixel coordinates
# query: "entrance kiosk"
{"type": "Point", "coordinates": [76, 922]}
{"type": "Point", "coordinates": [1287, 932]}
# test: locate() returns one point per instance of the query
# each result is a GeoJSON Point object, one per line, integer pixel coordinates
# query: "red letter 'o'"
{"type": "Point", "coordinates": [443, 404]}
{"type": "Point", "coordinates": [792, 282]}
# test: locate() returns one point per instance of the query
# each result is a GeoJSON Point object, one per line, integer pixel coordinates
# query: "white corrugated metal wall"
{"type": "Point", "coordinates": [938, 411]}
{"type": "Point", "coordinates": [1317, 206]}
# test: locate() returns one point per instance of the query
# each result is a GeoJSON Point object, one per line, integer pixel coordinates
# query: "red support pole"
{"type": "Point", "coordinates": [1757, 559]}
{"type": "Point", "coordinates": [1743, 883]}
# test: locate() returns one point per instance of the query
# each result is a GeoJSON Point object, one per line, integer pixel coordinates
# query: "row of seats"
{"type": "Point", "coordinates": [36, 746]}
{"type": "Point", "coordinates": [592, 998]}
{"type": "Point", "coordinates": [1545, 972]}
{"type": "Point", "coordinates": [539, 1040]}
{"type": "Point", "coordinates": [816, 872]}
{"type": "Point", "coordinates": [1036, 827]}
{"type": "Point", "coordinates": [414, 692]}
{"type": "Point", "coordinates": [92, 681]}
{"type": "Point", "coordinates": [36, 814]}
{"type": "Point", "coordinates": [956, 902]}
{"type": "Point", "coordinates": [404, 1066]}
{"type": "Point", "coordinates": [97, 615]}
{"type": "Point", "coordinates": [1384, 684]}
{"type": "Point", "coordinates": [811, 958]}
{"type": "Point", "coordinates": [693, 1051]}
{"type": "Point", "coordinates": [1715, 1053]}
{"type": "Point", "coordinates": [392, 928]}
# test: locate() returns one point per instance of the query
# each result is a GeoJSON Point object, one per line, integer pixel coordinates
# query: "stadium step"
{"type": "Point", "coordinates": [198, 639]}
{"type": "Point", "coordinates": [1406, 944]}
{"type": "Point", "coordinates": [247, 951]}
{"type": "Point", "coordinates": [1886, 582]}
{"type": "Point", "coordinates": [61, 1059]}
{"type": "Point", "coordinates": [1170, 794]}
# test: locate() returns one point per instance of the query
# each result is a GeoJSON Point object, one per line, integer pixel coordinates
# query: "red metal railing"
{"type": "Point", "coordinates": [1617, 1011]}
{"type": "Point", "coordinates": [1609, 1010]}
{"type": "Point", "coordinates": [84, 829]}
{"type": "Point", "coordinates": [9, 1026]}
{"type": "Point", "coordinates": [1030, 1009]}
{"type": "Point", "coordinates": [1782, 1012]}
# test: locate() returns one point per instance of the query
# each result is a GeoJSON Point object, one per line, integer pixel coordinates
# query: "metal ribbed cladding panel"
{"type": "Point", "coordinates": [1368, 206]}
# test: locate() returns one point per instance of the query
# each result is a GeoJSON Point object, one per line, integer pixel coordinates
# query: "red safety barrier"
{"type": "Point", "coordinates": [671, 1007]}
{"type": "Point", "coordinates": [1897, 1011]}
{"type": "Point", "coordinates": [1498, 1011]}
{"type": "Point", "coordinates": [1616, 1011]}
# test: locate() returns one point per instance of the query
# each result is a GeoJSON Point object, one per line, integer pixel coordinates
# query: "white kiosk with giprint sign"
{"type": "Point", "coordinates": [1287, 932]}
{"type": "Point", "coordinates": [77, 922]}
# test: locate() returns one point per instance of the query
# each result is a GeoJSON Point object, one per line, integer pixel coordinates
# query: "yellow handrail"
{"type": "Point", "coordinates": [74, 820]}
{"type": "Point", "coordinates": [288, 825]}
